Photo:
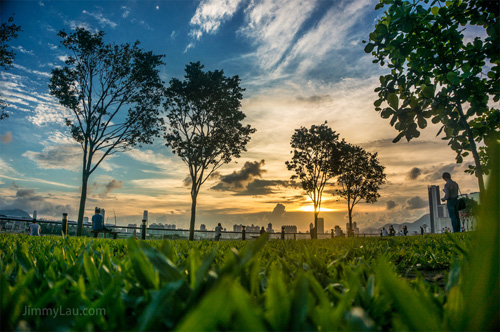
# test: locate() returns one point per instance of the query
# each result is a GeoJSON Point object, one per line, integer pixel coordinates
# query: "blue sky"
{"type": "Point", "coordinates": [301, 62]}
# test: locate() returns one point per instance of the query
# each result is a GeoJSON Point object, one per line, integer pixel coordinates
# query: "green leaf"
{"type": "Point", "coordinates": [452, 77]}
{"type": "Point", "coordinates": [369, 47]}
{"type": "Point", "coordinates": [427, 91]}
{"type": "Point", "coordinates": [393, 100]}
{"type": "Point", "coordinates": [91, 270]}
{"type": "Point", "coordinates": [277, 301]}
{"type": "Point", "coordinates": [387, 112]}
{"type": "Point", "coordinates": [435, 11]}
{"type": "Point", "coordinates": [419, 313]}
{"type": "Point", "coordinates": [422, 123]}
{"type": "Point", "coordinates": [142, 267]}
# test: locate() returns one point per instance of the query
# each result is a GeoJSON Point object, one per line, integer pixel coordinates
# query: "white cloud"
{"type": "Point", "coordinates": [23, 50]}
{"type": "Point", "coordinates": [210, 14]}
{"type": "Point", "coordinates": [103, 21]}
{"type": "Point", "coordinates": [148, 156]}
{"type": "Point", "coordinates": [49, 113]}
{"type": "Point", "coordinates": [5, 168]}
{"type": "Point", "coordinates": [126, 12]}
{"type": "Point", "coordinates": [35, 72]}
{"type": "Point", "coordinates": [273, 26]}
{"type": "Point", "coordinates": [329, 34]}
{"type": "Point", "coordinates": [63, 58]}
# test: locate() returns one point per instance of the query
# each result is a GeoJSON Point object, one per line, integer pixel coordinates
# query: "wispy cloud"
{"type": "Point", "coordinates": [126, 11]}
{"type": "Point", "coordinates": [330, 33]}
{"type": "Point", "coordinates": [57, 157]}
{"type": "Point", "coordinates": [210, 14]}
{"type": "Point", "coordinates": [273, 25]}
{"type": "Point", "coordinates": [23, 50]}
{"type": "Point", "coordinates": [31, 71]}
{"type": "Point", "coordinates": [103, 21]}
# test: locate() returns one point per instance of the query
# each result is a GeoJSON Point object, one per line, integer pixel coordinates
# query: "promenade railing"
{"type": "Point", "coordinates": [18, 225]}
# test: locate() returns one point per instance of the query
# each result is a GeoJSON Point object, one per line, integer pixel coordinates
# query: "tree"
{"type": "Point", "coordinates": [437, 74]}
{"type": "Point", "coordinates": [205, 124]}
{"type": "Point", "coordinates": [315, 153]}
{"type": "Point", "coordinates": [361, 176]}
{"type": "Point", "coordinates": [8, 31]}
{"type": "Point", "coordinates": [114, 92]}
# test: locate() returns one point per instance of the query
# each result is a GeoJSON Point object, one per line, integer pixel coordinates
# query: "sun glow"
{"type": "Point", "coordinates": [310, 208]}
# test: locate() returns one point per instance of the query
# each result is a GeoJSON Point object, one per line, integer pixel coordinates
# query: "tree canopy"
{"type": "Point", "coordinates": [114, 92]}
{"type": "Point", "coordinates": [439, 74]}
{"type": "Point", "coordinates": [316, 154]}
{"type": "Point", "coordinates": [205, 126]}
{"type": "Point", "coordinates": [361, 176]}
{"type": "Point", "coordinates": [8, 31]}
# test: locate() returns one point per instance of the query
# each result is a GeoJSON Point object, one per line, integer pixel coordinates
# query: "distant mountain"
{"type": "Point", "coordinates": [15, 213]}
{"type": "Point", "coordinates": [412, 227]}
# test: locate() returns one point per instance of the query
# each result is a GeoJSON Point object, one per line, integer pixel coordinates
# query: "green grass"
{"type": "Point", "coordinates": [360, 284]}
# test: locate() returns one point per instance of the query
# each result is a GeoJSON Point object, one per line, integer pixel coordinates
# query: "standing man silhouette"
{"type": "Point", "coordinates": [451, 198]}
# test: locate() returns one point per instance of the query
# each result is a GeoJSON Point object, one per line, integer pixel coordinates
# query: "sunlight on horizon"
{"type": "Point", "coordinates": [310, 208]}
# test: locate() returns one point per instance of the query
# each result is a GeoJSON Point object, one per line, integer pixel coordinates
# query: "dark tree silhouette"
{"type": "Point", "coordinates": [205, 124]}
{"type": "Point", "coordinates": [315, 153]}
{"type": "Point", "coordinates": [114, 92]}
{"type": "Point", "coordinates": [437, 74]}
{"type": "Point", "coordinates": [361, 176]}
{"type": "Point", "coordinates": [8, 31]}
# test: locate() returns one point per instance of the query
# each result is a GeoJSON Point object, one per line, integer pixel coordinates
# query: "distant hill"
{"type": "Point", "coordinates": [412, 227]}
{"type": "Point", "coordinates": [15, 213]}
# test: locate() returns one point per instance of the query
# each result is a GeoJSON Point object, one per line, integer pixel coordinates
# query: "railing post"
{"type": "Point", "coordinates": [243, 231]}
{"type": "Point", "coordinates": [144, 224]}
{"type": "Point", "coordinates": [282, 233]}
{"type": "Point", "coordinates": [332, 233]}
{"type": "Point", "coordinates": [143, 229]}
{"type": "Point", "coordinates": [64, 224]}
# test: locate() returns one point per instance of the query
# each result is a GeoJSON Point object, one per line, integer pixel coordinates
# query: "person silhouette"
{"type": "Point", "coordinates": [451, 197]}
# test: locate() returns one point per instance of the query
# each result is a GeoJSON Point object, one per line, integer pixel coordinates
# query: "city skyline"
{"type": "Point", "coordinates": [302, 63]}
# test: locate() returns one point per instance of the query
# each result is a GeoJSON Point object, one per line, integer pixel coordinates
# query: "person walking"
{"type": "Point", "coordinates": [451, 198]}
{"type": "Point", "coordinates": [218, 232]}
{"type": "Point", "coordinates": [392, 231]}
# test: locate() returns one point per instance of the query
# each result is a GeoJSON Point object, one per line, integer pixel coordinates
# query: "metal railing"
{"type": "Point", "coordinates": [18, 225]}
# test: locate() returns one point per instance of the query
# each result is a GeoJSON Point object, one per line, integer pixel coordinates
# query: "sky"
{"type": "Point", "coordinates": [301, 62]}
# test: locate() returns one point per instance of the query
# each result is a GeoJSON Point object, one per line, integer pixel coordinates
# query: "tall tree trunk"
{"type": "Point", "coordinates": [194, 195]}
{"type": "Point", "coordinates": [315, 229]}
{"type": "Point", "coordinates": [475, 155]}
{"type": "Point", "coordinates": [350, 231]}
{"type": "Point", "coordinates": [83, 199]}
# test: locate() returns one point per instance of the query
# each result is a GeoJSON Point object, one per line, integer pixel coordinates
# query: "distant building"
{"type": "Point", "coordinates": [321, 226]}
{"type": "Point", "coordinates": [438, 212]}
{"type": "Point", "coordinates": [156, 231]}
{"type": "Point", "coordinates": [270, 228]}
{"type": "Point", "coordinates": [355, 228]}
{"type": "Point", "coordinates": [130, 230]}
{"type": "Point", "coordinates": [203, 227]}
{"type": "Point", "coordinates": [250, 229]}
{"type": "Point", "coordinates": [289, 228]}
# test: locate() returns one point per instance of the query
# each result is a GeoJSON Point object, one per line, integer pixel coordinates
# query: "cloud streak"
{"type": "Point", "coordinates": [210, 15]}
